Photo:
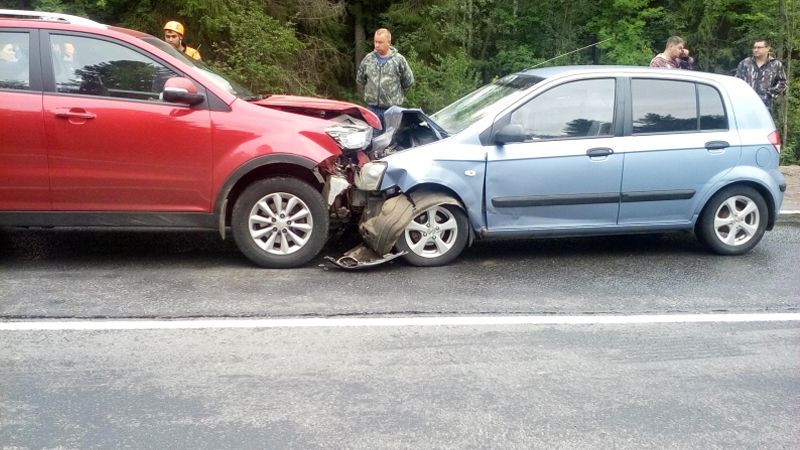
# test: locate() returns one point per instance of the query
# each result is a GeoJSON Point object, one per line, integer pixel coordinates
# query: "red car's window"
{"type": "Point", "coordinates": [96, 67]}
{"type": "Point", "coordinates": [14, 61]}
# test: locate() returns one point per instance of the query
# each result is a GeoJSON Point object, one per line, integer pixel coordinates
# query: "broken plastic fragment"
{"type": "Point", "coordinates": [362, 257]}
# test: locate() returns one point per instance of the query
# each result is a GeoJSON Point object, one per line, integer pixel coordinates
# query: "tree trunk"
{"type": "Point", "coordinates": [361, 41]}
{"type": "Point", "coordinates": [469, 27]}
{"type": "Point", "coordinates": [789, 27]}
{"type": "Point", "coordinates": [782, 38]}
{"type": "Point", "coordinates": [487, 42]}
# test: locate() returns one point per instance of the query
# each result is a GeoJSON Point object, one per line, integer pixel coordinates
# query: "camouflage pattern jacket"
{"type": "Point", "coordinates": [769, 80]}
{"type": "Point", "coordinates": [678, 63]}
{"type": "Point", "coordinates": [385, 84]}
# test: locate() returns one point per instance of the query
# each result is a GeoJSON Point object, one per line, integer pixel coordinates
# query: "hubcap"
{"type": "Point", "coordinates": [736, 220]}
{"type": "Point", "coordinates": [432, 233]}
{"type": "Point", "coordinates": [280, 223]}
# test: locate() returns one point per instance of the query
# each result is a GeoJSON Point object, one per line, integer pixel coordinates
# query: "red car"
{"type": "Point", "coordinates": [108, 127]}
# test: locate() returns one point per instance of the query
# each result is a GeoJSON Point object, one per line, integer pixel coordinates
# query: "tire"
{"type": "Point", "coordinates": [733, 234]}
{"type": "Point", "coordinates": [438, 244]}
{"type": "Point", "coordinates": [262, 229]}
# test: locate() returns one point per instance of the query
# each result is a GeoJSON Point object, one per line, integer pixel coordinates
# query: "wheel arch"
{"type": "Point", "coordinates": [257, 169]}
{"type": "Point", "coordinates": [759, 187]}
{"type": "Point", "coordinates": [436, 187]}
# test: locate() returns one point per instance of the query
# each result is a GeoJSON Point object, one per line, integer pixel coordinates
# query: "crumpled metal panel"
{"type": "Point", "coordinates": [393, 117]}
{"type": "Point", "coordinates": [383, 223]}
{"type": "Point", "coordinates": [312, 105]}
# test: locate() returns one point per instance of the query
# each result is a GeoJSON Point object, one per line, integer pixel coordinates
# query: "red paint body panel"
{"type": "Point", "coordinates": [133, 156]}
{"type": "Point", "coordinates": [24, 184]}
{"type": "Point", "coordinates": [107, 154]}
{"type": "Point", "coordinates": [249, 131]}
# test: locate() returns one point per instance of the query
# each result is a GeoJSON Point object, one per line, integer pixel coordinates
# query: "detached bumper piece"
{"type": "Point", "coordinates": [362, 257]}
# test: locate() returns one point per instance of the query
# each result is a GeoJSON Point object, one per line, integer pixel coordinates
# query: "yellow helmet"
{"type": "Point", "coordinates": [174, 26]}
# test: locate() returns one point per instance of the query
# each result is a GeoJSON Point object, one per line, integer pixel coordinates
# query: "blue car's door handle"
{"type": "Point", "coordinates": [599, 151]}
{"type": "Point", "coordinates": [717, 145]}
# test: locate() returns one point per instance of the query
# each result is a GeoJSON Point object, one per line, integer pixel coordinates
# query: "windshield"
{"type": "Point", "coordinates": [474, 106]}
{"type": "Point", "coordinates": [198, 66]}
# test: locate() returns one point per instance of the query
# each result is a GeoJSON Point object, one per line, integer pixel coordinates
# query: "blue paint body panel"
{"type": "Point", "coordinates": [553, 187]}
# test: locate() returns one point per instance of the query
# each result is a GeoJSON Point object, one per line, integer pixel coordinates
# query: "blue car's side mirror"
{"type": "Point", "coordinates": [510, 133]}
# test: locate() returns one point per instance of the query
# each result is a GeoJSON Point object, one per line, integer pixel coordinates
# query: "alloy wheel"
{"type": "Point", "coordinates": [432, 233]}
{"type": "Point", "coordinates": [280, 223]}
{"type": "Point", "coordinates": [736, 220]}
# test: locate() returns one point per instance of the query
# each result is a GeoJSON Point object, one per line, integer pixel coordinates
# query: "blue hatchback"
{"type": "Point", "coordinates": [584, 150]}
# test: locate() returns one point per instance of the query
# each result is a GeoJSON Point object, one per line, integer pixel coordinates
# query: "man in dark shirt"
{"type": "Point", "coordinates": [763, 73]}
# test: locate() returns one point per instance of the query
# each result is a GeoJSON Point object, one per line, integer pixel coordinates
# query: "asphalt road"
{"type": "Point", "coordinates": [677, 386]}
{"type": "Point", "coordinates": [57, 274]}
{"type": "Point", "coordinates": [638, 385]}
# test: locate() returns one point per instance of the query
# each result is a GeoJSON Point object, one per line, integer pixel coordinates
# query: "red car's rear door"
{"type": "Point", "coordinates": [24, 182]}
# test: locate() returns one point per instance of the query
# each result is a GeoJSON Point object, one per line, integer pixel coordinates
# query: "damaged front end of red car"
{"type": "Point", "coordinates": [361, 214]}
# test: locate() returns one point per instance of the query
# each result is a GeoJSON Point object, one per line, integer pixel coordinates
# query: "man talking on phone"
{"type": "Point", "coordinates": [675, 56]}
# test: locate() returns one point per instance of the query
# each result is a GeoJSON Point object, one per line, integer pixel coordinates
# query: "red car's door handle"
{"type": "Point", "coordinates": [74, 113]}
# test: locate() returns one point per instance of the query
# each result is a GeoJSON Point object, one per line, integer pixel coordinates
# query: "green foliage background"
{"type": "Point", "coordinates": [308, 47]}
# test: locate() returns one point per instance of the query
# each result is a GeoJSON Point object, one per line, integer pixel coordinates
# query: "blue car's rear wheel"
{"type": "Point", "coordinates": [733, 221]}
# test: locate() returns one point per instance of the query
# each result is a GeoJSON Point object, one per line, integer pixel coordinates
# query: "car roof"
{"type": "Point", "coordinates": [53, 25]}
{"type": "Point", "coordinates": [34, 19]}
{"type": "Point", "coordinates": [558, 71]}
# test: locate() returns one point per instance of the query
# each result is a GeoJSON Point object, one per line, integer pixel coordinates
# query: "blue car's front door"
{"type": "Point", "coordinates": [567, 174]}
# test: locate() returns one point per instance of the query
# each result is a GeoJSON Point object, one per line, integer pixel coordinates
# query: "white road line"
{"type": "Point", "coordinates": [390, 322]}
{"type": "Point", "coordinates": [790, 211]}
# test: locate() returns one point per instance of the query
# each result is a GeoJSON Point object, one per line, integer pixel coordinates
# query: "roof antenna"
{"type": "Point", "coordinates": [568, 53]}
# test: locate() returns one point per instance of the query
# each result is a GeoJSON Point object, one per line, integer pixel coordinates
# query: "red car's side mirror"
{"type": "Point", "coordinates": [182, 90]}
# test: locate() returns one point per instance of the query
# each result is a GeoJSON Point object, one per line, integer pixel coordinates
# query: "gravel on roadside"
{"type": "Point", "coordinates": [791, 199]}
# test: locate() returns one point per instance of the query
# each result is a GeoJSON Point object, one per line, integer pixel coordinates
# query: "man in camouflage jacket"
{"type": "Point", "coordinates": [385, 76]}
{"type": "Point", "coordinates": [675, 56]}
{"type": "Point", "coordinates": [763, 73]}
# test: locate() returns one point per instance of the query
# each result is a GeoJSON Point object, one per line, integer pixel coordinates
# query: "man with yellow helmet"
{"type": "Point", "coordinates": [173, 35]}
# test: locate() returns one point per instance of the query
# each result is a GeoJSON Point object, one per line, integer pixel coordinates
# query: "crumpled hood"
{"type": "Point", "coordinates": [319, 107]}
{"type": "Point", "coordinates": [398, 122]}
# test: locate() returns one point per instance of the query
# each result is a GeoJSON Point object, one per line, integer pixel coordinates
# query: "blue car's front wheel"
{"type": "Point", "coordinates": [435, 237]}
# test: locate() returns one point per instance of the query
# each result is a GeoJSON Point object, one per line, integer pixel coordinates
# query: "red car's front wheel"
{"type": "Point", "coordinates": [280, 222]}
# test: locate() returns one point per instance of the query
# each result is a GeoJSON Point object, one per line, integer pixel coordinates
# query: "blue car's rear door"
{"type": "Point", "coordinates": [680, 146]}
